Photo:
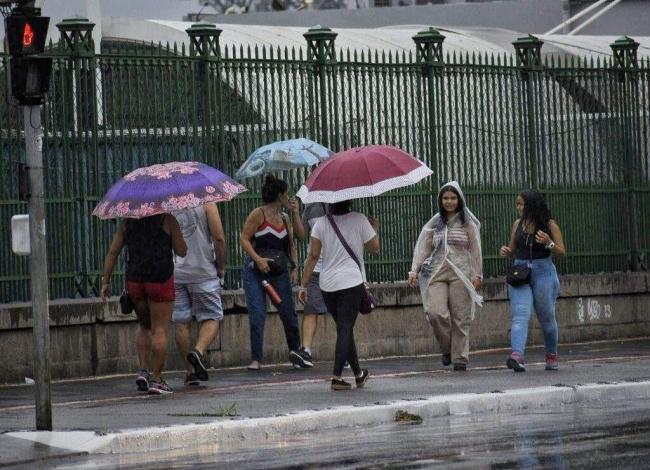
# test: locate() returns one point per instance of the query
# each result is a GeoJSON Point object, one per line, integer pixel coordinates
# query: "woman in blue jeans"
{"type": "Point", "coordinates": [534, 238]}
{"type": "Point", "coordinates": [271, 256]}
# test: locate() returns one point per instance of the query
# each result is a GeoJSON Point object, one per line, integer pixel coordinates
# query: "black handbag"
{"type": "Point", "coordinates": [126, 304]}
{"type": "Point", "coordinates": [278, 263]}
{"type": "Point", "coordinates": [518, 275]}
{"type": "Point", "coordinates": [368, 301]}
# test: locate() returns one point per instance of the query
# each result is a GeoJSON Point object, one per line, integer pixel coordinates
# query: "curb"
{"type": "Point", "coordinates": [260, 429]}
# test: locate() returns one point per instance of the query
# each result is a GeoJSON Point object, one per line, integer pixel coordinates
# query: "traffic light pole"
{"type": "Point", "coordinates": [38, 266]}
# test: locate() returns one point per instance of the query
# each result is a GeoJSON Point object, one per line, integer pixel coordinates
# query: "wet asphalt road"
{"type": "Point", "coordinates": [112, 404]}
{"type": "Point", "coordinates": [596, 436]}
{"type": "Point", "coordinates": [600, 435]}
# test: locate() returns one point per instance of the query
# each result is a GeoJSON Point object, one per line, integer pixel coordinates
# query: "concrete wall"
{"type": "Point", "coordinates": [89, 337]}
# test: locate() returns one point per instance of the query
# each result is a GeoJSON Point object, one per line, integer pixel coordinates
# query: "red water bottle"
{"type": "Point", "coordinates": [272, 293]}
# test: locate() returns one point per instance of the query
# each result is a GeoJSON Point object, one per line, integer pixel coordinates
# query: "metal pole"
{"type": "Point", "coordinates": [566, 14]}
{"type": "Point", "coordinates": [38, 266]}
{"type": "Point", "coordinates": [575, 17]}
{"type": "Point", "coordinates": [594, 18]}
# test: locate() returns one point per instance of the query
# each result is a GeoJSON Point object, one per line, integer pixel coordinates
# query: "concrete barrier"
{"type": "Point", "coordinates": [89, 337]}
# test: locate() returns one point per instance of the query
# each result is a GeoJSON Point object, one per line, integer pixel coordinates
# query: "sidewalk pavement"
{"type": "Point", "coordinates": [282, 399]}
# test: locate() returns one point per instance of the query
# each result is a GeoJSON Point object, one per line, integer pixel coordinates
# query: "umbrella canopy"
{"type": "Point", "coordinates": [362, 172]}
{"type": "Point", "coordinates": [283, 155]}
{"type": "Point", "coordinates": [167, 187]}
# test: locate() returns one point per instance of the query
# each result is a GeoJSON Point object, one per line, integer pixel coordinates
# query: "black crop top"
{"type": "Point", "coordinates": [149, 250]}
{"type": "Point", "coordinates": [526, 247]}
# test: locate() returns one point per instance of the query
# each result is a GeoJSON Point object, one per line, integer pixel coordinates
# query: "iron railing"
{"type": "Point", "coordinates": [577, 130]}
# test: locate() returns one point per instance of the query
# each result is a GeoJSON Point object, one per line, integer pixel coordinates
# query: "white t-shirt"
{"type": "Point", "coordinates": [339, 271]}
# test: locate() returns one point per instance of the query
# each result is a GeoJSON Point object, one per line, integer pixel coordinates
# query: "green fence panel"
{"type": "Point", "coordinates": [577, 130]}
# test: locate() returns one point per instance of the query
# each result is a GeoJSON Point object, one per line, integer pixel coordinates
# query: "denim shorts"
{"type": "Point", "coordinates": [315, 303]}
{"type": "Point", "coordinates": [201, 300]}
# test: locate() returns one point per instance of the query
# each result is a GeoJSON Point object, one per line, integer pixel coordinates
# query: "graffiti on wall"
{"type": "Point", "coordinates": [592, 310]}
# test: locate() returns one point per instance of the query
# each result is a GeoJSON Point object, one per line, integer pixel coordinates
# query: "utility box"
{"type": "Point", "coordinates": [20, 235]}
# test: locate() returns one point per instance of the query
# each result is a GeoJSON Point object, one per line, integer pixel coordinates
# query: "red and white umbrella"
{"type": "Point", "coordinates": [362, 172]}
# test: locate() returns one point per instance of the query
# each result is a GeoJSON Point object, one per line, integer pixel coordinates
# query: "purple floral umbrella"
{"type": "Point", "coordinates": [166, 188]}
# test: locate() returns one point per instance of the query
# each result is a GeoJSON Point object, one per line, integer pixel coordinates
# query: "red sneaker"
{"type": "Point", "coordinates": [551, 362]}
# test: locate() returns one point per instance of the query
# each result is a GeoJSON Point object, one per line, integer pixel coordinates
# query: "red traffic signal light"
{"type": "Point", "coordinates": [29, 76]}
{"type": "Point", "coordinates": [26, 35]}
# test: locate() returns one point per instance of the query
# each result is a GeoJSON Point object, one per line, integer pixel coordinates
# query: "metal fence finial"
{"type": "Point", "coordinates": [428, 43]}
{"type": "Point", "coordinates": [204, 40]}
{"type": "Point", "coordinates": [76, 36]}
{"type": "Point", "coordinates": [320, 44]}
{"type": "Point", "coordinates": [625, 53]}
{"type": "Point", "coordinates": [529, 51]}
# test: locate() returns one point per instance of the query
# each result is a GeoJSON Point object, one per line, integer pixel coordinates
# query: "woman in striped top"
{"type": "Point", "coordinates": [271, 257]}
{"type": "Point", "coordinates": [447, 265]}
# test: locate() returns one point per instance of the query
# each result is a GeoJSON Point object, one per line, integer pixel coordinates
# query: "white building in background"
{"type": "Point", "coordinates": [388, 29]}
{"type": "Point", "coordinates": [629, 17]}
{"type": "Point", "coordinates": [382, 29]}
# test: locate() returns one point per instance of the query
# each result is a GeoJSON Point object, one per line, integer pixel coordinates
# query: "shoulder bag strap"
{"type": "Point", "coordinates": [342, 240]}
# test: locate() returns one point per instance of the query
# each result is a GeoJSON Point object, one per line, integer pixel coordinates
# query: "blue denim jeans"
{"type": "Point", "coordinates": [256, 304]}
{"type": "Point", "coordinates": [541, 293]}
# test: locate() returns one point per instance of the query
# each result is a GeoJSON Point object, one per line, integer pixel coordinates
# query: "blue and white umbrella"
{"type": "Point", "coordinates": [283, 155]}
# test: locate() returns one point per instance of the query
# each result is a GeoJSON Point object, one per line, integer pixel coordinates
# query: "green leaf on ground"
{"type": "Point", "coordinates": [404, 417]}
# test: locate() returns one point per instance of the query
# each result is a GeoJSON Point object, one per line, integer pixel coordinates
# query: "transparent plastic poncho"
{"type": "Point", "coordinates": [432, 251]}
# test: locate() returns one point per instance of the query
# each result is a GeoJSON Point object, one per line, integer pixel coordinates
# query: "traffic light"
{"type": "Point", "coordinates": [26, 33]}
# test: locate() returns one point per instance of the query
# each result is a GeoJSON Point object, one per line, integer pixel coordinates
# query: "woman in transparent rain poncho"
{"type": "Point", "coordinates": [447, 264]}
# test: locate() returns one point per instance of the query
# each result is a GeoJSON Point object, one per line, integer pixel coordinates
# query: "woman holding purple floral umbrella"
{"type": "Point", "coordinates": [150, 244]}
{"type": "Point", "coordinates": [145, 197]}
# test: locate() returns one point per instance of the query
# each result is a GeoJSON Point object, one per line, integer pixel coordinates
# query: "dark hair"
{"type": "Point", "coordinates": [340, 208]}
{"type": "Point", "coordinates": [272, 188]}
{"type": "Point", "coordinates": [535, 209]}
{"type": "Point", "coordinates": [459, 209]}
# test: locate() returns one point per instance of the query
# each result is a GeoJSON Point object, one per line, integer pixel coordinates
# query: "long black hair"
{"type": "Point", "coordinates": [272, 188]}
{"type": "Point", "coordinates": [460, 209]}
{"type": "Point", "coordinates": [535, 209]}
{"type": "Point", "coordinates": [340, 208]}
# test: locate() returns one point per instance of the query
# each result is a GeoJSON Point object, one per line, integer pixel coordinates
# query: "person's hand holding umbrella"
{"type": "Point", "coordinates": [294, 207]}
